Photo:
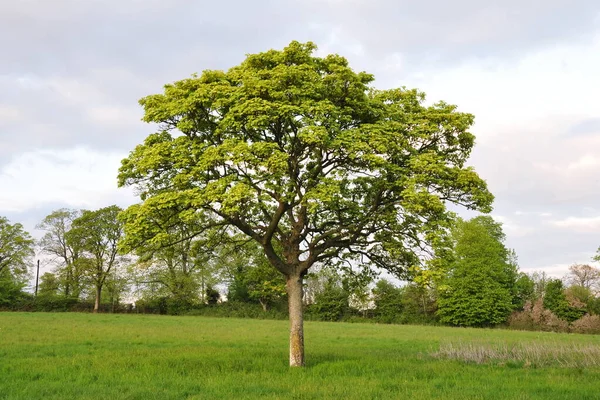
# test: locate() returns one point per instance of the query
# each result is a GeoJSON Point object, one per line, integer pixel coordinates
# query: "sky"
{"type": "Point", "coordinates": [72, 72]}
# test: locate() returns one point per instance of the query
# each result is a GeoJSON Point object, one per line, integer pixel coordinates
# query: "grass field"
{"type": "Point", "coordinates": [85, 356]}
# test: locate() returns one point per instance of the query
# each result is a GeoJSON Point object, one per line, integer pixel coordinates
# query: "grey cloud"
{"type": "Point", "coordinates": [66, 59]}
{"type": "Point", "coordinates": [443, 32]}
{"type": "Point", "coordinates": [537, 181]}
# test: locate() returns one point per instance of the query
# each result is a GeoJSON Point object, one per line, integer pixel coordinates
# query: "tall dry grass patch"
{"type": "Point", "coordinates": [535, 354]}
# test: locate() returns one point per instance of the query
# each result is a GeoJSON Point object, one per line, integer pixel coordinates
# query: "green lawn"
{"type": "Point", "coordinates": [85, 356]}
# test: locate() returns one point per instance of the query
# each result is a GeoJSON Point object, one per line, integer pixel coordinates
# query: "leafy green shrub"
{"type": "Point", "coordinates": [330, 305]}
{"type": "Point", "coordinates": [388, 302]}
{"type": "Point", "coordinates": [556, 301]}
{"type": "Point", "coordinates": [235, 309]}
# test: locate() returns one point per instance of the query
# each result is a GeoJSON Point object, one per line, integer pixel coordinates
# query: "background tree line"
{"type": "Point", "coordinates": [470, 279]}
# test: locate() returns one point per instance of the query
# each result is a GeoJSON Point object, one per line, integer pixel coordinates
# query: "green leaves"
{"type": "Point", "coordinates": [300, 154]}
{"type": "Point", "coordinates": [16, 250]}
{"type": "Point", "coordinates": [480, 275]}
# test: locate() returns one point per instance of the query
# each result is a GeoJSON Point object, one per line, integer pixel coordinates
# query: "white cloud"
{"type": "Point", "coordinates": [580, 224]}
{"type": "Point", "coordinates": [9, 114]}
{"type": "Point", "coordinates": [78, 177]}
{"type": "Point", "coordinates": [512, 228]}
{"type": "Point", "coordinates": [115, 116]}
{"type": "Point", "coordinates": [553, 84]}
{"type": "Point", "coordinates": [533, 213]}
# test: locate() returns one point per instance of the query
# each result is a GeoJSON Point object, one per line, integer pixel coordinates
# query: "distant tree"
{"type": "Point", "coordinates": [16, 253]}
{"type": "Point", "coordinates": [212, 295]}
{"type": "Point", "coordinates": [16, 249]}
{"type": "Point", "coordinates": [580, 297]}
{"type": "Point", "coordinates": [117, 285]}
{"type": "Point", "coordinates": [97, 234]}
{"type": "Point", "coordinates": [65, 254]}
{"type": "Point", "coordinates": [49, 284]}
{"type": "Point", "coordinates": [332, 303]}
{"type": "Point", "coordinates": [264, 285]}
{"type": "Point", "coordinates": [540, 281]}
{"type": "Point", "coordinates": [303, 156]}
{"type": "Point", "coordinates": [523, 291]}
{"type": "Point", "coordinates": [388, 302]}
{"type": "Point", "coordinates": [584, 275]}
{"type": "Point", "coordinates": [419, 304]}
{"type": "Point", "coordinates": [479, 288]}
{"type": "Point", "coordinates": [556, 301]}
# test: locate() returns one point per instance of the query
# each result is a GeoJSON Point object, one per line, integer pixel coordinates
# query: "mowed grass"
{"type": "Point", "coordinates": [85, 356]}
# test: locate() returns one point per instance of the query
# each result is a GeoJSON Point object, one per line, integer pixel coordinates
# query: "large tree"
{"type": "Point", "coordinates": [16, 253]}
{"type": "Point", "coordinates": [65, 254]}
{"type": "Point", "coordinates": [584, 275]}
{"type": "Point", "coordinates": [179, 262]}
{"type": "Point", "coordinates": [303, 156]}
{"type": "Point", "coordinates": [97, 234]}
{"type": "Point", "coordinates": [16, 248]}
{"type": "Point", "coordinates": [479, 288]}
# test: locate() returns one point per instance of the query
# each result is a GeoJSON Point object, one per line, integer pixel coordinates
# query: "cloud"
{"type": "Point", "coordinates": [9, 114]}
{"type": "Point", "coordinates": [115, 116]}
{"type": "Point", "coordinates": [446, 32]}
{"type": "Point", "coordinates": [512, 228]}
{"type": "Point", "coordinates": [590, 126]}
{"type": "Point", "coordinates": [77, 178]}
{"type": "Point", "coordinates": [580, 224]}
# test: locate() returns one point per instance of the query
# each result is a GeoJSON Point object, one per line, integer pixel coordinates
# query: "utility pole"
{"type": "Point", "coordinates": [37, 277]}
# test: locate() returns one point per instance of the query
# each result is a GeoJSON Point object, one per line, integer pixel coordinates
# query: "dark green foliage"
{"type": "Point", "coordinates": [331, 304]}
{"type": "Point", "coordinates": [237, 290]}
{"type": "Point", "coordinates": [65, 254]}
{"type": "Point", "coordinates": [523, 291]}
{"type": "Point", "coordinates": [16, 252]}
{"type": "Point", "coordinates": [255, 280]}
{"type": "Point", "coordinates": [388, 302]}
{"type": "Point", "coordinates": [49, 285]}
{"type": "Point", "coordinates": [11, 290]}
{"type": "Point", "coordinates": [212, 295]}
{"type": "Point", "coordinates": [479, 288]}
{"type": "Point", "coordinates": [556, 301]}
{"type": "Point", "coordinates": [418, 305]}
{"type": "Point", "coordinates": [593, 306]}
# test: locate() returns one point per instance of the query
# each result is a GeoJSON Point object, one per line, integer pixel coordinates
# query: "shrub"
{"type": "Point", "coordinates": [587, 324]}
{"type": "Point", "coordinates": [535, 317]}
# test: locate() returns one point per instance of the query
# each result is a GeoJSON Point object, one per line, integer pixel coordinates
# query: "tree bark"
{"type": "Point", "coordinates": [294, 291]}
{"type": "Point", "coordinates": [98, 295]}
{"type": "Point", "coordinates": [265, 305]}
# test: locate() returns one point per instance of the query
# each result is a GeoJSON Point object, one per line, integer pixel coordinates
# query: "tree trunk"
{"type": "Point", "coordinates": [294, 291]}
{"type": "Point", "coordinates": [265, 305]}
{"type": "Point", "coordinates": [98, 295]}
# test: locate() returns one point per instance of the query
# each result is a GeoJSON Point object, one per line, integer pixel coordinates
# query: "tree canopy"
{"type": "Point", "coordinates": [16, 253]}
{"type": "Point", "coordinates": [481, 275]}
{"type": "Point", "coordinates": [65, 254]}
{"type": "Point", "coordinates": [305, 157]}
{"type": "Point", "coordinates": [97, 234]}
{"type": "Point", "coordinates": [16, 248]}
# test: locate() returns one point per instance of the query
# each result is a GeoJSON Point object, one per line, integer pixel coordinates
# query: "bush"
{"type": "Point", "coordinates": [330, 305]}
{"type": "Point", "coordinates": [388, 302]}
{"type": "Point", "coordinates": [587, 324]}
{"type": "Point", "coordinates": [556, 301]}
{"type": "Point", "coordinates": [535, 317]}
{"type": "Point", "coordinates": [234, 309]}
